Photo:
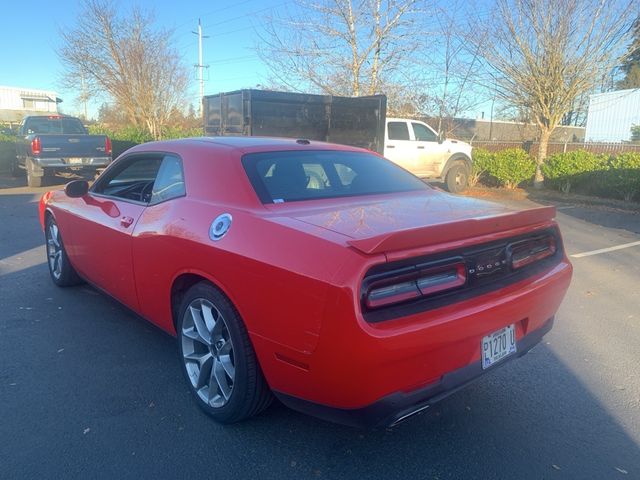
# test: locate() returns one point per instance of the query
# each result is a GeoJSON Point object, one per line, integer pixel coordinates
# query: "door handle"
{"type": "Point", "coordinates": [126, 221]}
{"type": "Point", "coordinates": [391, 146]}
{"type": "Point", "coordinates": [421, 148]}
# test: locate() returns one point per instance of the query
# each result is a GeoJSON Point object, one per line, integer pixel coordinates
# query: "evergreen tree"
{"type": "Point", "coordinates": [631, 63]}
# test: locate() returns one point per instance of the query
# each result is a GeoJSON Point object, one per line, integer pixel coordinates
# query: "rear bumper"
{"type": "Point", "coordinates": [64, 163]}
{"type": "Point", "coordinates": [398, 406]}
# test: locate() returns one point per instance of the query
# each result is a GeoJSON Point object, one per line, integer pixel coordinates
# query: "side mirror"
{"type": "Point", "coordinates": [76, 188]}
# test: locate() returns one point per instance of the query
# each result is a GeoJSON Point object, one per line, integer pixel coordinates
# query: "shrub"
{"type": "Point", "coordinates": [481, 160]}
{"type": "Point", "coordinates": [511, 167]}
{"type": "Point", "coordinates": [565, 170]}
{"type": "Point", "coordinates": [624, 175]}
{"type": "Point", "coordinates": [7, 153]}
{"type": "Point", "coordinates": [141, 135]}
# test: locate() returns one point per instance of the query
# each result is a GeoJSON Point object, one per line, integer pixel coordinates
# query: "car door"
{"type": "Point", "coordinates": [101, 246]}
{"type": "Point", "coordinates": [399, 147]}
{"type": "Point", "coordinates": [429, 151]}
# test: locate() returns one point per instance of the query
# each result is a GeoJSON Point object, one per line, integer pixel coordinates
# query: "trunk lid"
{"type": "Point", "coordinates": [382, 224]}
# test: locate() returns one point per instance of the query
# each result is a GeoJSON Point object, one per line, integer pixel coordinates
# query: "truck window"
{"type": "Point", "coordinates": [398, 131]}
{"type": "Point", "coordinates": [54, 125]}
{"type": "Point", "coordinates": [423, 133]}
{"type": "Point", "coordinates": [287, 176]}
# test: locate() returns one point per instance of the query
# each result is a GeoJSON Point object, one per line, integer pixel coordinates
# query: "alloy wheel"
{"type": "Point", "coordinates": [207, 352]}
{"type": "Point", "coordinates": [54, 250]}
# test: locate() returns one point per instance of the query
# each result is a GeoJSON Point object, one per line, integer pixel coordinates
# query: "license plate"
{"type": "Point", "coordinates": [498, 345]}
{"type": "Point", "coordinates": [74, 160]}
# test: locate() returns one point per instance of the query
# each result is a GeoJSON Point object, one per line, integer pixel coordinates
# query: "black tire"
{"type": "Point", "coordinates": [229, 399]}
{"type": "Point", "coordinates": [457, 177]}
{"type": "Point", "coordinates": [61, 271]}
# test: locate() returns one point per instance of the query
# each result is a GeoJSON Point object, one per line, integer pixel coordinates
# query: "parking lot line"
{"type": "Point", "coordinates": [605, 250]}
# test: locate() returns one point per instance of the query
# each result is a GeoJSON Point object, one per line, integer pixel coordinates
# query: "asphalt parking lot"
{"type": "Point", "coordinates": [89, 390]}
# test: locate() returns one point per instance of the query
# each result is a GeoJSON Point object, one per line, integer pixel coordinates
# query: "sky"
{"type": "Point", "coordinates": [28, 42]}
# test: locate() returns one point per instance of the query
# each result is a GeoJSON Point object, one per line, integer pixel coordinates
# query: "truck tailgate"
{"type": "Point", "coordinates": [72, 146]}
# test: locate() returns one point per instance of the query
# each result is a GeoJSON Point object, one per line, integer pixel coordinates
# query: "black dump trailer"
{"type": "Point", "coordinates": [356, 121]}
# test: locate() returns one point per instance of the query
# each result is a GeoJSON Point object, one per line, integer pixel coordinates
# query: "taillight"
{"type": "Point", "coordinates": [36, 146]}
{"type": "Point", "coordinates": [530, 251]}
{"type": "Point", "coordinates": [421, 282]}
{"type": "Point", "coordinates": [107, 145]}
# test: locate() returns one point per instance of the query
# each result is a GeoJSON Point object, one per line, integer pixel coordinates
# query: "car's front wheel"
{"type": "Point", "coordinates": [217, 357]}
{"type": "Point", "coordinates": [62, 272]}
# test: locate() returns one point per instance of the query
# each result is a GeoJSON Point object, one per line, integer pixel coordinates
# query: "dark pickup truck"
{"type": "Point", "coordinates": [57, 143]}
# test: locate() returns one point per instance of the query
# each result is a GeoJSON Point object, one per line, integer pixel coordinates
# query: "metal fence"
{"type": "Point", "coordinates": [555, 147]}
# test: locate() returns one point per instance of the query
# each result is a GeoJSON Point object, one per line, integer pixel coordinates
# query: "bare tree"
{"type": "Point", "coordinates": [127, 59]}
{"type": "Point", "coordinates": [452, 68]}
{"type": "Point", "coordinates": [341, 47]}
{"type": "Point", "coordinates": [544, 54]}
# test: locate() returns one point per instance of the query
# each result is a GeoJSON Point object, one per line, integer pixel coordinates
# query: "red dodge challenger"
{"type": "Point", "coordinates": [323, 275]}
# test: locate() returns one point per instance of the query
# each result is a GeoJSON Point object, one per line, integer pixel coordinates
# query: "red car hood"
{"type": "Point", "coordinates": [417, 219]}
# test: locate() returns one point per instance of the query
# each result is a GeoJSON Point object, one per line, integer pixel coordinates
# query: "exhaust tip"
{"type": "Point", "coordinates": [406, 416]}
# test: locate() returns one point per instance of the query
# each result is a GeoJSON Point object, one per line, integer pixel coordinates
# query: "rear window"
{"type": "Point", "coordinates": [279, 177]}
{"type": "Point", "coordinates": [54, 125]}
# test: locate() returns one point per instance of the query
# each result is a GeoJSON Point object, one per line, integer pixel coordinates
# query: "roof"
{"type": "Point", "coordinates": [252, 143]}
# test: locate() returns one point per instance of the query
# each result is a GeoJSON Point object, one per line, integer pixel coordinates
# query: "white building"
{"type": "Point", "coordinates": [16, 103]}
{"type": "Point", "coordinates": [612, 114]}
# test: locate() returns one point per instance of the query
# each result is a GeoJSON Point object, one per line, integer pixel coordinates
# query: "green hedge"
{"type": "Point", "coordinates": [124, 138]}
{"type": "Point", "coordinates": [595, 174]}
{"type": "Point", "coordinates": [564, 171]}
{"type": "Point", "coordinates": [7, 152]}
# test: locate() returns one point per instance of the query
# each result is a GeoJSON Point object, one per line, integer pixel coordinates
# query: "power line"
{"type": "Point", "coordinates": [211, 12]}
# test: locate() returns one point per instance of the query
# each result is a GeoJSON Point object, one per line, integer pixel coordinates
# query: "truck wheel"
{"type": "Point", "coordinates": [457, 177]}
{"type": "Point", "coordinates": [34, 181]}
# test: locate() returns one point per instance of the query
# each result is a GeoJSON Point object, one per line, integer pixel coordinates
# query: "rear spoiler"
{"type": "Point", "coordinates": [452, 231]}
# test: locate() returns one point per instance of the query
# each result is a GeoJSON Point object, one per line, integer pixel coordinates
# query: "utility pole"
{"type": "Point", "coordinates": [200, 66]}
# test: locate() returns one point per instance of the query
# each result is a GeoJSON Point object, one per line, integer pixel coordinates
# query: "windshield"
{"type": "Point", "coordinates": [55, 125]}
{"type": "Point", "coordinates": [305, 175]}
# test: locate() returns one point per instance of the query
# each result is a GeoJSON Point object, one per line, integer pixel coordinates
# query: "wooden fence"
{"type": "Point", "coordinates": [555, 147]}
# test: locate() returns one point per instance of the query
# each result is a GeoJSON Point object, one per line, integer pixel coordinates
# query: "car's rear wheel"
{"type": "Point", "coordinates": [62, 272]}
{"type": "Point", "coordinates": [217, 357]}
{"type": "Point", "coordinates": [457, 177]}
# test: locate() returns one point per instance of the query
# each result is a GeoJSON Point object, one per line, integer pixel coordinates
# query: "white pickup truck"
{"type": "Point", "coordinates": [415, 146]}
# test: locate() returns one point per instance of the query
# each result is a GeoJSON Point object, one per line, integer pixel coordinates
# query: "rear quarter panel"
{"type": "Point", "coordinates": [275, 274]}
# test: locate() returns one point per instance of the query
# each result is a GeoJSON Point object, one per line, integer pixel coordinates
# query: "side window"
{"type": "Point", "coordinates": [398, 131]}
{"type": "Point", "coordinates": [169, 181]}
{"type": "Point", "coordinates": [423, 133]}
{"type": "Point", "coordinates": [131, 179]}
